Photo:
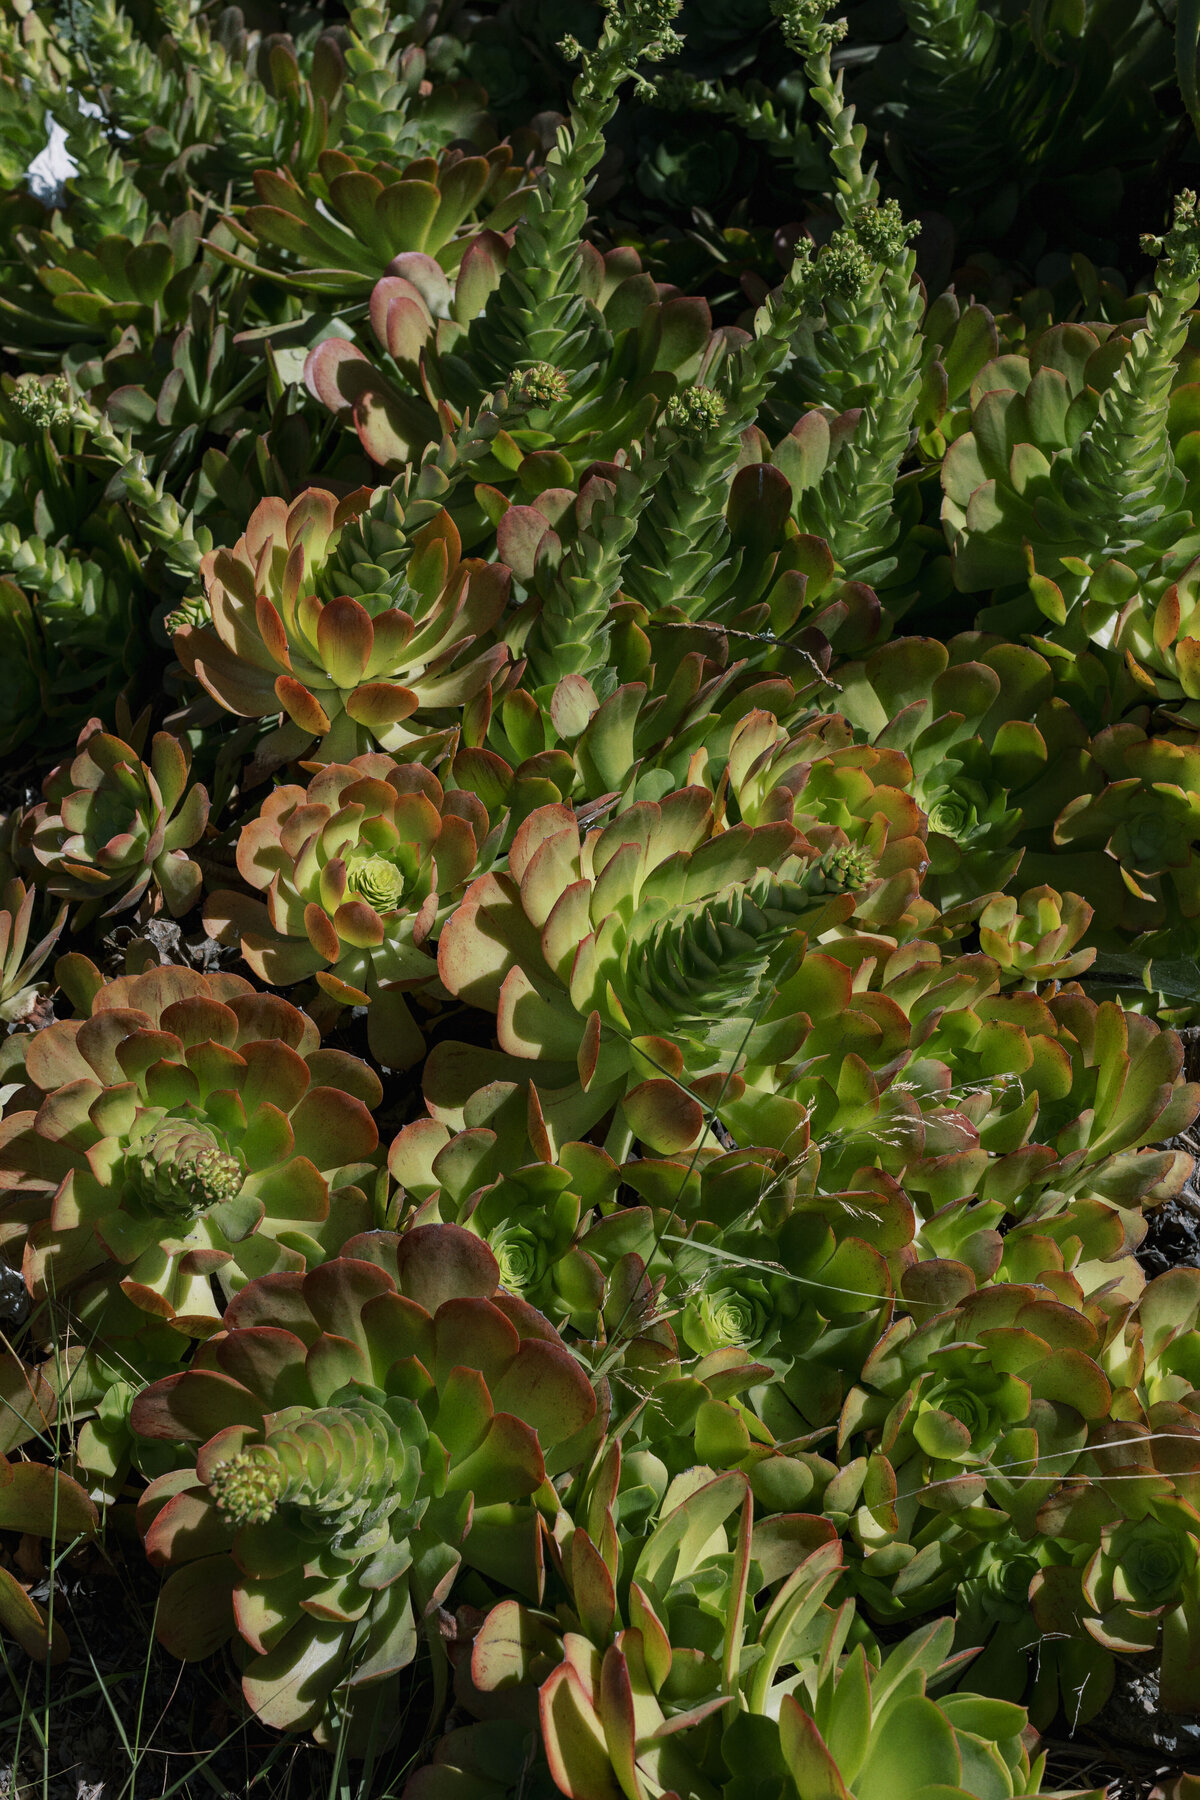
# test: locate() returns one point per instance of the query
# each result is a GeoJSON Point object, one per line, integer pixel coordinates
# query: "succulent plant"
{"type": "Point", "coordinates": [651, 1698]}
{"type": "Point", "coordinates": [919, 1505]}
{"type": "Point", "coordinates": [355, 220]}
{"type": "Point", "coordinates": [1067, 104]}
{"type": "Point", "coordinates": [491, 1760]}
{"type": "Point", "coordinates": [1068, 486]}
{"type": "Point", "coordinates": [993, 1616]}
{"type": "Point", "coordinates": [994, 754]}
{"type": "Point", "coordinates": [759, 1268]}
{"type": "Point", "coordinates": [136, 277]}
{"type": "Point", "coordinates": [987, 1081]}
{"type": "Point", "coordinates": [71, 585]}
{"type": "Point", "coordinates": [19, 965]}
{"type": "Point", "coordinates": [1122, 1575]}
{"type": "Point", "coordinates": [187, 1128]}
{"type": "Point", "coordinates": [351, 672]}
{"type": "Point", "coordinates": [533, 1215]}
{"type": "Point", "coordinates": [113, 832]}
{"type": "Point", "coordinates": [43, 1503]}
{"type": "Point", "coordinates": [638, 954]}
{"type": "Point", "coordinates": [559, 420]}
{"type": "Point", "coordinates": [231, 100]}
{"type": "Point", "coordinates": [405, 1420]}
{"type": "Point", "coordinates": [360, 869]}
{"type": "Point", "coordinates": [975, 1745]}
{"type": "Point", "coordinates": [24, 673]}
{"type": "Point", "coordinates": [1033, 936]}
{"type": "Point", "coordinates": [1155, 631]}
{"type": "Point", "coordinates": [754, 1260]}
{"type": "Point", "coordinates": [665, 1640]}
{"type": "Point", "coordinates": [1136, 834]}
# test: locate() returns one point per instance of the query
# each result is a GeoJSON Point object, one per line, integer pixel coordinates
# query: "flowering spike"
{"type": "Point", "coordinates": [805, 28]}
{"type": "Point", "coordinates": [43, 402]}
{"type": "Point", "coordinates": [247, 1488]}
{"type": "Point", "coordinates": [1179, 247]}
{"type": "Point", "coordinates": [694, 411]}
{"type": "Point", "coordinates": [182, 1170]}
{"type": "Point", "coordinates": [542, 384]}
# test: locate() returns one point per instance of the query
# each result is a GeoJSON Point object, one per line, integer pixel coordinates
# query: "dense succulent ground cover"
{"type": "Point", "coordinates": [600, 699]}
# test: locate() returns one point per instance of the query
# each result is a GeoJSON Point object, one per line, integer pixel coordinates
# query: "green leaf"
{"type": "Point", "coordinates": [849, 1730]}
{"type": "Point", "coordinates": [974, 340]}
{"type": "Point", "coordinates": [574, 1739]}
{"type": "Point", "coordinates": [195, 1608]}
{"type": "Point", "coordinates": [809, 1763]}
{"type": "Point", "coordinates": [912, 1746]}
{"type": "Point", "coordinates": [45, 1502]}
{"type": "Point", "coordinates": [287, 1689]}
{"type": "Point", "coordinates": [24, 1620]}
{"type": "Point", "coordinates": [1187, 44]}
{"type": "Point", "coordinates": [665, 1117]}
{"type": "Point", "coordinates": [676, 1547]}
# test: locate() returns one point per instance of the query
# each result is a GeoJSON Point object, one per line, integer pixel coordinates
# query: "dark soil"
{"type": "Point", "coordinates": [1131, 1748]}
{"type": "Point", "coordinates": [1172, 1238]}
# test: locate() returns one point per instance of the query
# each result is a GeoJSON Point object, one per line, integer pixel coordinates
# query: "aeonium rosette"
{"type": "Point", "coordinates": [1033, 938]}
{"type": "Point", "coordinates": [971, 1418]}
{"type": "Point", "coordinates": [1134, 839]}
{"type": "Point", "coordinates": [639, 1673]}
{"type": "Point", "coordinates": [561, 1240]}
{"type": "Point", "coordinates": [833, 789]}
{"type": "Point", "coordinates": [189, 1129]}
{"type": "Point", "coordinates": [1143, 1566]}
{"type": "Point", "coordinates": [734, 1311]}
{"type": "Point", "coordinates": [112, 832]}
{"type": "Point", "coordinates": [805, 1296]}
{"type": "Point", "coordinates": [1125, 1527]}
{"type": "Point", "coordinates": [992, 1612]}
{"type": "Point", "coordinates": [360, 631]}
{"type": "Point", "coordinates": [363, 1431]}
{"type": "Point", "coordinates": [1125, 1579]}
{"type": "Point", "coordinates": [433, 341]}
{"type": "Point", "coordinates": [20, 989]}
{"type": "Point", "coordinates": [627, 966]}
{"type": "Point", "coordinates": [993, 755]}
{"type": "Point", "coordinates": [358, 870]}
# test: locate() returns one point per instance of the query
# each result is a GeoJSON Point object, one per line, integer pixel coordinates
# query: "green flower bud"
{"type": "Point", "coordinates": [339, 1469]}
{"type": "Point", "coordinates": [966, 812]}
{"type": "Point", "coordinates": [194, 610]}
{"type": "Point", "coordinates": [248, 1487]}
{"type": "Point", "coordinates": [839, 870]}
{"type": "Point", "coordinates": [379, 882]}
{"type": "Point", "coordinates": [694, 411]}
{"type": "Point", "coordinates": [181, 1170]}
{"type": "Point", "coordinates": [1180, 246]}
{"type": "Point", "coordinates": [883, 230]}
{"type": "Point", "coordinates": [542, 385]}
{"type": "Point", "coordinates": [844, 267]}
{"type": "Point", "coordinates": [728, 1315]}
{"type": "Point", "coordinates": [520, 1257]}
{"type": "Point", "coordinates": [43, 403]}
{"type": "Point", "coordinates": [803, 26]}
{"type": "Point", "coordinates": [1152, 1559]}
